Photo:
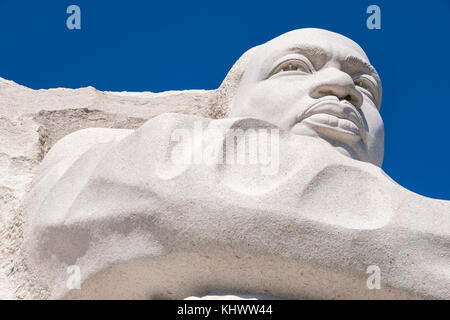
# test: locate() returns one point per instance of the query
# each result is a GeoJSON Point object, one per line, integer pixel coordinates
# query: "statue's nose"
{"type": "Point", "coordinates": [334, 82]}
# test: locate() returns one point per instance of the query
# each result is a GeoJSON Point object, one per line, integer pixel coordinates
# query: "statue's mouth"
{"type": "Point", "coordinates": [334, 119]}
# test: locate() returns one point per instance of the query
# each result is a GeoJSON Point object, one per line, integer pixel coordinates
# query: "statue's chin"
{"type": "Point", "coordinates": [340, 146]}
{"type": "Point", "coordinates": [347, 152]}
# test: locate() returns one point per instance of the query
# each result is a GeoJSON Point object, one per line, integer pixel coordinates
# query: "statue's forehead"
{"type": "Point", "coordinates": [316, 41]}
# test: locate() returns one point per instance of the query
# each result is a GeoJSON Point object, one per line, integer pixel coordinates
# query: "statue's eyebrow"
{"type": "Point", "coordinates": [316, 55]}
{"type": "Point", "coordinates": [361, 65]}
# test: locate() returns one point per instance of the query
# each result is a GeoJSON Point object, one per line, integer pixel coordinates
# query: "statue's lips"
{"type": "Point", "coordinates": [334, 118]}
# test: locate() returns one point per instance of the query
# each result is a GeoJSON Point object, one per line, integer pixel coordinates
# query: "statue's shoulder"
{"type": "Point", "coordinates": [85, 146]}
{"type": "Point", "coordinates": [76, 143]}
{"type": "Point", "coordinates": [71, 147]}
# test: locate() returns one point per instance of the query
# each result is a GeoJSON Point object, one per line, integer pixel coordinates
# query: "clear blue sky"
{"type": "Point", "coordinates": [162, 45]}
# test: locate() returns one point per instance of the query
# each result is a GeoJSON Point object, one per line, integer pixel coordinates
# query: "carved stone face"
{"type": "Point", "coordinates": [317, 83]}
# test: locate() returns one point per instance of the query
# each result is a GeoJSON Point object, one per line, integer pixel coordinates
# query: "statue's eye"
{"type": "Point", "coordinates": [367, 86]}
{"type": "Point", "coordinates": [292, 66]}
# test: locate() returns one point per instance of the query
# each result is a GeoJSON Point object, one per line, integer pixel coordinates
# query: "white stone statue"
{"type": "Point", "coordinates": [139, 217]}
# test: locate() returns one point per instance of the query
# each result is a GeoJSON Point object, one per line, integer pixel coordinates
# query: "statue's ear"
{"type": "Point", "coordinates": [380, 91]}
